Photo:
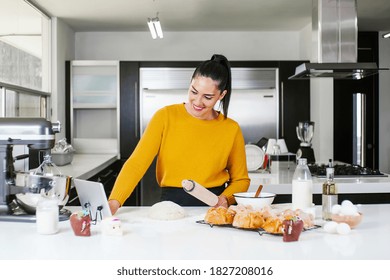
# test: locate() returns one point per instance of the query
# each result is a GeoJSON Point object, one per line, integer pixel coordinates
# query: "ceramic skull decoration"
{"type": "Point", "coordinates": [111, 226]}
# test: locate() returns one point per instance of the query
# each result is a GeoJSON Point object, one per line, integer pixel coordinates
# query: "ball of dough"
{"type": "Point", "coordinates": [166, 210]}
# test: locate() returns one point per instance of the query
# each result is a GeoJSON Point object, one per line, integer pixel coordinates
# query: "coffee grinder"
{"type": "Point", "coordinates": [305, 131]}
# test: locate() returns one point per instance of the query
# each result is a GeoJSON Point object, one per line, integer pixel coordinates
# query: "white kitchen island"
{"type": "Point", "coordinates": [184, 239]}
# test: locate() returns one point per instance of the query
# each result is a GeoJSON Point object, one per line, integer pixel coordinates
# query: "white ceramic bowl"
{"type": "Point", "coordinates": [352, 221]}
{"type": "Point", "coordinates": [248, 198]}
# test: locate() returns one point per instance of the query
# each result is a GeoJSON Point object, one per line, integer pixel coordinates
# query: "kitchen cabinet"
{"type": "Point", "coordinates": [129, 116]}
{"type": "Point", "coordinates": [343, 107]}
{"type": "Point", "coordinates": [294, 103]}
{"type": "Point", "coordinates": [129, 112]}
{"type": "Point", "coordinates": [93, 116]}
{"type": "Point", "coordinates": [94, 106]}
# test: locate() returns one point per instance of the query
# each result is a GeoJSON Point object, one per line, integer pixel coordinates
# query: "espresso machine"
{"type": "Point", "coordinates": [36, 134]}
{"type": "Point", "coordinates": [305, 132]}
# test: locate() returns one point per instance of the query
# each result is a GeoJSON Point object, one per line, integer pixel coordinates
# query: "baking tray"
{"type": "Point", "coordinates": [260, 231]}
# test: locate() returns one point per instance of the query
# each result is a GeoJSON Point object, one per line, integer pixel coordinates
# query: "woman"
{"type": "Point", "coordinates": [191, 141]}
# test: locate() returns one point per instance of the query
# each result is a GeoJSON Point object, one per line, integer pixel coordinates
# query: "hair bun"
{"type": "Point", "coordinates": [218, 57]}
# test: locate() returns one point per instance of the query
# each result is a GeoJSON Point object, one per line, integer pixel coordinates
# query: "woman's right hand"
{"type": "Point", "coordinates": [222, 201]}
{"type": "Point", "coordinates": [114, 206]}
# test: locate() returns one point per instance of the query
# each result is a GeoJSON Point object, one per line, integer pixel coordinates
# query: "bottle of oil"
{"type": "Point", "coordinates": [329, 193]}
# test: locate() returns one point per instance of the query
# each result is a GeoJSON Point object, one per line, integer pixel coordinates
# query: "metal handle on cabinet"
{"type": "Point", "coordinates": [135, 109]}
{"type": "Point", "coordinates": [282, 110]}
{"type": "Point", "coordinates": [105, 175]}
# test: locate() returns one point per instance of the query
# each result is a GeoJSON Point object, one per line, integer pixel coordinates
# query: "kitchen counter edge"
{"type": "Point", "coordinates": [84, 166]}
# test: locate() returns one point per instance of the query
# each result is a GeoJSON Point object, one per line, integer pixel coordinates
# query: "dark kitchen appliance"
{"type": "Point", "coordinates": [305, 132]}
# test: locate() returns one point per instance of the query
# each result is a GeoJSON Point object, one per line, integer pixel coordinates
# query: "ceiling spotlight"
{"type": "Point", "coordinates": [386, 35]}
{"type": "Point", "coordinates": [155, 27]}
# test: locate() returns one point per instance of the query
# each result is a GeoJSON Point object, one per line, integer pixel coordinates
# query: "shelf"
{"type": "Point", "coordinates": [93, 106]}
{"type": "Point", "coordinates": [107, 100]}
{"type": "Point", "coordinates": [96, 145]}
{"type": "Point", "coordinates": [94, 92]}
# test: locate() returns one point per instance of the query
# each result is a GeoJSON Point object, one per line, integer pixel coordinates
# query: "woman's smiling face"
{"type": "Point", "coordinates": [203, 94]}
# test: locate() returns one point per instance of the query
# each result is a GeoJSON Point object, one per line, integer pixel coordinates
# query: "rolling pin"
{"type": "Point", "coordinates": [199, 192]}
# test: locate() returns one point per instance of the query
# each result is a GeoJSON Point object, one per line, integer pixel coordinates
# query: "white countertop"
{"type": "Point", "coordinates": [84, 166]}
{"type": "Point", "coordinates": [280, 179]}
{"type": "Point", "coordinates": [147, 239]}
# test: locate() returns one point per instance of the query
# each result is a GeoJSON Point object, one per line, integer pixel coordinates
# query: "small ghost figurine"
{"type": "Point", "coordinates": [81, 223]}
{"type": "Point", "coordinates": [112, 226]}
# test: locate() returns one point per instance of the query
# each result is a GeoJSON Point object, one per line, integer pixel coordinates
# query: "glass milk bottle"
{"type": "Point", "coordinates": [47, 216]}
{"type": "Point", "coordinates": [302, 186]}
{"type": "Point", "coordinates": [329, 193]}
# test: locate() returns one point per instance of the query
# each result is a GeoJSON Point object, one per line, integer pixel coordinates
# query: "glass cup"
{"type": "Point", "coordinates": [47, 216]}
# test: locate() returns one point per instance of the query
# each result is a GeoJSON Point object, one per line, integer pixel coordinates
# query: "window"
{"type": "Point", "coordinates": [24, 60]}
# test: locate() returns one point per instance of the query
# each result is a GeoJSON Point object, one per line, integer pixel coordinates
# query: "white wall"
{"type": "Point", "coordinates": [321, 113]}
{"type": "Point", "coordinates": [321, 104]}
{"type": "Point", "coordinates": [305, 42]}
{"type": "Point", "coordinates": [63, 48]}
{"type": "Point", "coordinates": [384, 105]}
{"type": "Point", "coordinates": [176, 46]}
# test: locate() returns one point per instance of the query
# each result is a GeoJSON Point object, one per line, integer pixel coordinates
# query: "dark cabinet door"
{"type": "Point", "coordinates": [129, 116]}
{"type": "Point", "coordinates": [108, 176]}
{"type": "Point", "coordinates": [294, 104]}
{"type": "Point", "coordinates": [129, 107]}
{"type": "Point", "coordinates": [343, 106]}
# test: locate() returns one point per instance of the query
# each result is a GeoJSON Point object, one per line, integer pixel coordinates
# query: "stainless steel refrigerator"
{"type": "Point", "coordinates": [254, 105]}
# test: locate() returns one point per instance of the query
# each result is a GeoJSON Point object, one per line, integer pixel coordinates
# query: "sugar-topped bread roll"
{"type": "Point", "coordinates": [219, 216]}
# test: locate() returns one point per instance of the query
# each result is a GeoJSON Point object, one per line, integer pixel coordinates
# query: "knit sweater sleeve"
{"type": "Point", "coordinates": [137, 164]}
{"type": "Point", "coordinates": [237, 168]}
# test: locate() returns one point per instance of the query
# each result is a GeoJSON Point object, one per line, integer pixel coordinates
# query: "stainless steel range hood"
{"type": "Point", "coordinates": [334, 48]}
{"type": "Point", "coordinates": [353, 71]}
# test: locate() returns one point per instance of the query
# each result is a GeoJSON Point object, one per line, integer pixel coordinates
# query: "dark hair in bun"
{"type": "Point", "coordinates": [217, 69]}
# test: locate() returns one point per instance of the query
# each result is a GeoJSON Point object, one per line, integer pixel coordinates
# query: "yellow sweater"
{"type": "Point", "coordinates": [210, 152]}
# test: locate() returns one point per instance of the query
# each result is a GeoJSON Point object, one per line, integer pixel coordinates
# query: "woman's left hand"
{"type": "Point", "coordinates": [222, 201]}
